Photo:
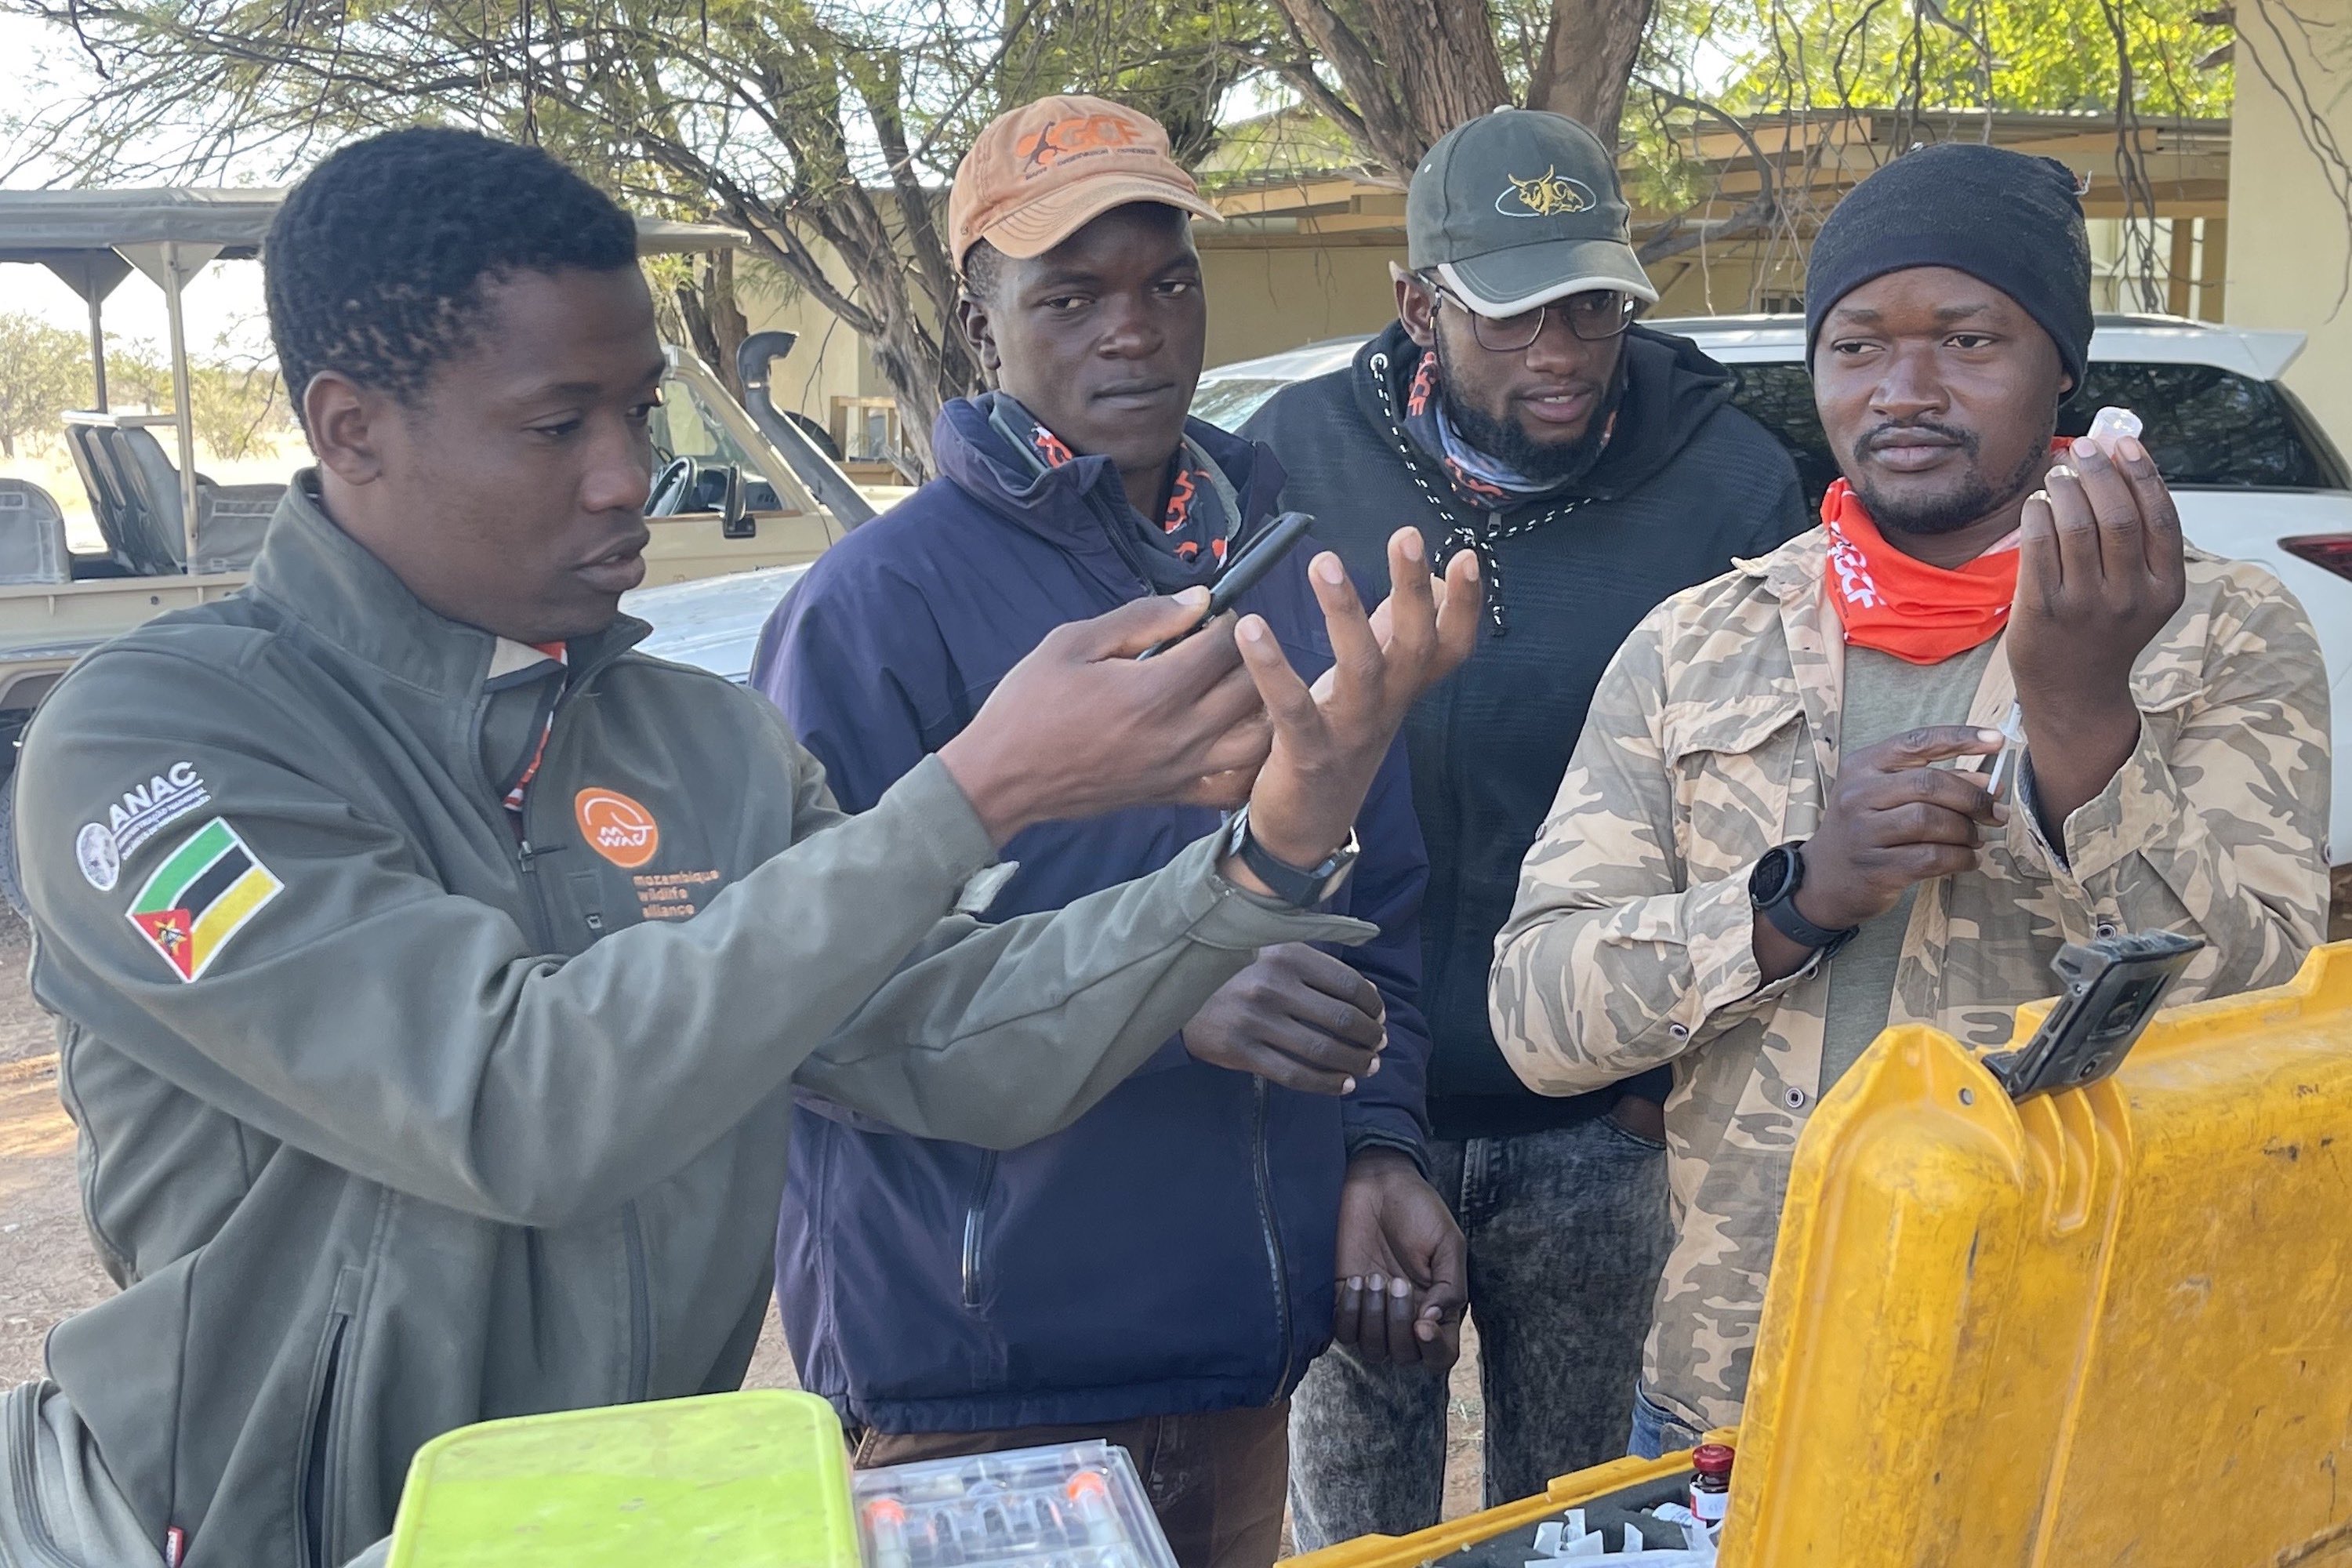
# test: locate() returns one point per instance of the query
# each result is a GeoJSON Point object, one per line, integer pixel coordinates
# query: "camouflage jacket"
{"type": "Point", "coordinates": [1713, 737]}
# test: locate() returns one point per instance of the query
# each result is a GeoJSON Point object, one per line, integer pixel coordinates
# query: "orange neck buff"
{"type": "Point", "coordinates": [1900, 604]}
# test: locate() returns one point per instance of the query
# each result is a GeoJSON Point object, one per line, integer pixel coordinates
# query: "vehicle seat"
{"type": "Point", "coordinates": [32, 535]}
{"type": "Point", "coordinates": [128, 536]}
{"type": "Point", "coordinates": [230, 519]}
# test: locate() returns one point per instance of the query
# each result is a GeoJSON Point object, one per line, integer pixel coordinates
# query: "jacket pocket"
{"type": "Point", "coordinates": [1736, 765]}
{"type": "Point", "coordinates": [321, 1450]}
{"type": "Point", "coordinates": [2163, 693]}
{"type": "Point", "coordinates": [975, 1235]}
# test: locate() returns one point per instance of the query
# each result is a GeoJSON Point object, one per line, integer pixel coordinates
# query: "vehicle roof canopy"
{"type": "Point", "coordinates": [72, 227]}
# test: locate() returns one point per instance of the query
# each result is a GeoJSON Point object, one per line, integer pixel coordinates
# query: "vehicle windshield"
{"type": "Point", "coordinates": [2209, 428]}
{"type": "Point", "coordinates": [1229, 401]}
{"type": "Point", "coordinates": [684, 426]}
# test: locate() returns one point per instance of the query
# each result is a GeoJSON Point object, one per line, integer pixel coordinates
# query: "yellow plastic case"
{"type": "Point", "coordinates": [2109, 1326]}
{"type": "Point", "coordinates": [729, 1481]}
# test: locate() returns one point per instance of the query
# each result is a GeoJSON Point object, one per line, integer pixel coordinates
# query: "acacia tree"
{"type": "Point", "coordinates": [42, 370]}
{"type": "Point", "coordinates": [826, 129]}
{"type": "Point", "coordinates": [1396, 75]}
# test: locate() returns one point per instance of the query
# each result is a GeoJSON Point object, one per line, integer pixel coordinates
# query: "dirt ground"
{"type": "Point", "coordinates": [49, 1270]}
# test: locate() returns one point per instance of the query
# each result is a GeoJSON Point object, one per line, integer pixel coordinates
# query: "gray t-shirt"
{"type": "Point", "coordinates": [1884, 696]}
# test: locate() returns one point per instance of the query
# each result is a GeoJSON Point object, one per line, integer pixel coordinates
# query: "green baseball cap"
{"type": "Point", "coordinates": [1519, 207]}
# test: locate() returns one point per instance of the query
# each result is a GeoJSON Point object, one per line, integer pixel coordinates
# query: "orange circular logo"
{"type": "Point", "coordinates": [617, 827]}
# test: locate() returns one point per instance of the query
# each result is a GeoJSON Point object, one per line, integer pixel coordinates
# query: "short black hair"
{"type": "Point", "coordinates": [375, 265]}
{"type": "Point", "coordinates": [983, 269]}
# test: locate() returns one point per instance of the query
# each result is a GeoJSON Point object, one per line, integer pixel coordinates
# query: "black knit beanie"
{"type": "Point", "coordinates": [2009, 218]}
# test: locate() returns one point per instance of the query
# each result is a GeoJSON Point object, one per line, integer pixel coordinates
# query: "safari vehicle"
{"type": "Point", "coordinates": [737, 489]}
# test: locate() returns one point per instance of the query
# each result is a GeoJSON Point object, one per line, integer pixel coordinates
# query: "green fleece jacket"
{"type": "Point", "coordinates": [394, 1118]}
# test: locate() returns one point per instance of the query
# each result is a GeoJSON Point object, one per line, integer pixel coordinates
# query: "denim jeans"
{"type": "Point", "coordinates": [1569, 1232]}
{"type": "Point", "coordinates": [1657, 1431]}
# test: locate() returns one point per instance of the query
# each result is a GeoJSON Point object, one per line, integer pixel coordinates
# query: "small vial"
{"type": "Point", "coordinates": [1090, 1495]}
{"type": "Point", "coordinates": [885, 1523]}
{"type": "Point", "coordinates": [2110, 426]}
{"type": "Point", "coordinates": [2004, 761]}
{"type": "Point", "coordinates": [1710, 1492]}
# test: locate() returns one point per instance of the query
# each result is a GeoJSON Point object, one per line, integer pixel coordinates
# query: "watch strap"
{"type": "Point", "coordinates": [1782, 912]}
{"type": "Point", "coordinates": [1304, 887]}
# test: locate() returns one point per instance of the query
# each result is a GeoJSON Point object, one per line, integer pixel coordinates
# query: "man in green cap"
{"type": "Point", "coordinates": [1595, 467]}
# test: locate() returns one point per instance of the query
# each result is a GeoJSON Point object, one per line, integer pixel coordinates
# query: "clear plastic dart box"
{"type": "Point", "coordinates": [1075, 1505]}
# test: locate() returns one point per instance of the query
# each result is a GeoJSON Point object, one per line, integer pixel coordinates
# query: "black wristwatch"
{"type": "Point", "coordinates": [1307, 888]}
{"type": "Point", "coordinates": [1772, 889]}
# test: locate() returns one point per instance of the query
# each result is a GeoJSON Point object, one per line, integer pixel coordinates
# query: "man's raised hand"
{"type": "Point", "coordinates": [1081, 726]}
{"type": "Point", "coordinates": [2101, 569]}
{"type": "Point", "coordinates": [1328, 743]}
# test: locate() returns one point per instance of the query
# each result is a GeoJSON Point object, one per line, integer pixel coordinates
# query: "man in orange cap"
{"type": "Point", "coordinates": [1162, 1273]}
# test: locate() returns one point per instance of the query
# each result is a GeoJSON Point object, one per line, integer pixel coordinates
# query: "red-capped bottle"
{"type": "Point", "coordinates": [1710, 1492]}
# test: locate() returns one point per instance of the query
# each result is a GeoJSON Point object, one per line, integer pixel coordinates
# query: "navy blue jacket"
{"type": "Point", "coordinates": [1171, 1252]}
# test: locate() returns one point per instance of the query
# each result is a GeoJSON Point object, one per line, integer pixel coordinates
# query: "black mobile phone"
{"type": "Point", "coordinates": [2113, 986]}
{"type": "Point", "coordinates": [1245, 571]}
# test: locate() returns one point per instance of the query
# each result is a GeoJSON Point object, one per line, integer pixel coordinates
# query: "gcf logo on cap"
{"type": "Point", "coordinates": [617, 827]}
{"type": "Point", "coordinates": [1058, 140]}
{"type": "Point", "coordinates": [1549, 195]}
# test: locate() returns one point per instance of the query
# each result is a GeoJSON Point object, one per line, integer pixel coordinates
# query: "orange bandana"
{"type": "Point", "coordinates": [1901, 606]}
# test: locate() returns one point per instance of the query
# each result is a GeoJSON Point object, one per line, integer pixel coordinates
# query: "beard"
{"type": "Point", "coordinates": [1542, 462]}
{"type": "Point", "coordinates": [1972, 502]}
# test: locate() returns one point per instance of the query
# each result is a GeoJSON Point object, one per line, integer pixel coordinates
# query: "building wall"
{"type": "Point", "coordinates": [1262, 300]}
{"type": "Point", "coordinates": [2288, 234]}
{"type": "Point", "coordinates": [828, 362]}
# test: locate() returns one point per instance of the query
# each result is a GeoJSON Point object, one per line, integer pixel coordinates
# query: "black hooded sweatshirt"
{"type": "Point", "coordinates": [1686, 483]}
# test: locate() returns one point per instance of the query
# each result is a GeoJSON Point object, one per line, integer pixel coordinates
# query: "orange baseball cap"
{"type": "Point", "coordinates": [1039, 174]}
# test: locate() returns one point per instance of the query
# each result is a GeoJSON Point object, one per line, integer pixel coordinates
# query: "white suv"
{"type": "Point", "coordinates": [2254, 476]}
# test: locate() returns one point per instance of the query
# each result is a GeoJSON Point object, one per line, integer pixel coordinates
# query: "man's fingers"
{"type": "Point", "coordinates": [1929, 743]}
{"type": "Point", "coordinates": [1396, 1322]}
{"type": "Point", "coordinates": [2123, 547]}
{"type": "Point", "coordinates": [1331, 1050]}
{"type": "Point", "coordinates": [1347, 1312]}
{"type": "Point", "coordinates": [1945, 790]}
{"type": "Point", "coordinates": [1355, 651]}
{"type": "Point", "coordinates": [1288, 703]}
{"type": "Point", "coordinates": [2167, 561]}
{"type": "Point", "coordinates": [1332, 976]}
{"type": "Point", "coordinates": [2078, 528]}
{"type": "Point", "coordinates": [1230, 706]}
{"type": "Point", "coordinates": [1921, 822]}
{"type": "Point", "coordinates": [2039, 570]}
{"type": "Point", "coordinates": [1283, 1061]}
{"type": "Point", "coordinates": [1413, 604]}
{"type": "Point", "coordinates": [1923, 862]}
{"type": "Point", "coordinates": [1465, 600]}
{"type": "Point", "coordinates": [1241, 740]}
{"type": "Point", "coordinates": [1135, 626]}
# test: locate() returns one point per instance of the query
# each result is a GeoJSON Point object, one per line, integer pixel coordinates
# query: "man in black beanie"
{"type": "Point", "coordinates": [1755, 863]}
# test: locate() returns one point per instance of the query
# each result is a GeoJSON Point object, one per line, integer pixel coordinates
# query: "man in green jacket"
{"type": "Point", "coordinates": [433, 971]}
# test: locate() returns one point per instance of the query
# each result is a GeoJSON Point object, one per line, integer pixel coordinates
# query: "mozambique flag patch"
{"type": "Point", "coordinates": [204, 893]}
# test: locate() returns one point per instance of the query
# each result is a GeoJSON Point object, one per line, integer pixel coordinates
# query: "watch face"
{"type": "Point", "coordinates": [1771, 876]}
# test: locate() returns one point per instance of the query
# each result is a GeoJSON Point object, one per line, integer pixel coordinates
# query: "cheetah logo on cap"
{"type": "Point", "coordinates": [1061, 139]}
{"type": "Point", "coordinates": [1550, 195]}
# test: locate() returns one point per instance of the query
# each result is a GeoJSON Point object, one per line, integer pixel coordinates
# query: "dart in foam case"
{"type": "Point", "coordinates": [1077, 1505]}
{"type": "Point", "coordinates": [2110, 426]}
